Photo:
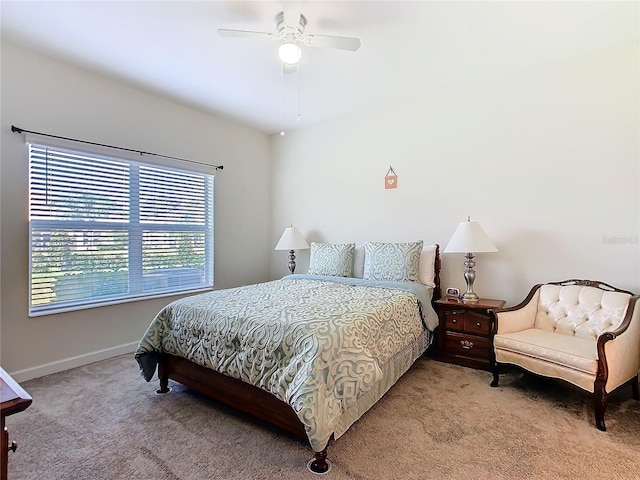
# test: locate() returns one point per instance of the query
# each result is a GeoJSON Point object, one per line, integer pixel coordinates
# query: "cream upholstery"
{"type": "Point", "coordinates": [584, 332]}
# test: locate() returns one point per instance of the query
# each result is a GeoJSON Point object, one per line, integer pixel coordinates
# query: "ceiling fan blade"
{"type": "Point", "coordinates": [223, 32]}
{"type": "Point", "coordinates": [331, 41]}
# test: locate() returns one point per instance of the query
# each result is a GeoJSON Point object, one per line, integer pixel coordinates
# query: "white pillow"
{"type": "Point", "coordinates": [392, 261]}
{"type": "Point", "coordinates": [427, 266]}
{"type": "Point", "coordinates": [331, 259]}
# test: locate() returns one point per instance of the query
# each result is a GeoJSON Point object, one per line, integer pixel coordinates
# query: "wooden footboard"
{"type": "Point", "coordinates": [230, 391]}
{"type": "Point", "coordinates": [237, 394]}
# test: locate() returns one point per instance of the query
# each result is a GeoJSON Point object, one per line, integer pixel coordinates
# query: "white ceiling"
{"type": "Point", "coordinates": [408, 49]}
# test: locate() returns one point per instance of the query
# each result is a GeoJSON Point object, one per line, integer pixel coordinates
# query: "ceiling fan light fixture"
{"type": "Point", "coordinates": [290, 53]}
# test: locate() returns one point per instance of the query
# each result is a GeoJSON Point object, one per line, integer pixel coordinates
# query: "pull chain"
{"type": "Point", "coordinates": [298, 73]}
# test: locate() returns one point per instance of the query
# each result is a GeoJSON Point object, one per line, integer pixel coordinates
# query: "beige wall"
{"type": "Point", "coordinates": [44, 95]}
{"type": "Point", "coordinates": [547, 161]}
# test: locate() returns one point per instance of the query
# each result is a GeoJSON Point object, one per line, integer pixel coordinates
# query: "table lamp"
{"type": "Point", "coordinates": [470, 238]}
{"type": "Point", "coordinates": [292, 240]}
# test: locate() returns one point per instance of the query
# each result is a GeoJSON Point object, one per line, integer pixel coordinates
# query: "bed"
{"type": "Point", "coordinates": [308, 353]}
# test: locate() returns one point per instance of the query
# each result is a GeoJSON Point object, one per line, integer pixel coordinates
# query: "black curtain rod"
{"type": "Point", "coordinates": [15, 129]}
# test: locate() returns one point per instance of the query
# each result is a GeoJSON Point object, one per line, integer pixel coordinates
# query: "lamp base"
{"type": "Point", "coordinates": [292, 261]}
{"type": "Point", "coordinates": [470, 297]}
{"type": "Point", "coordinates": [469, 277]}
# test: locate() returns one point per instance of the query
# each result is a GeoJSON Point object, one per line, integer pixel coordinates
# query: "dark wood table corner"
{"type": "Point", "coordinates": [13, 399]}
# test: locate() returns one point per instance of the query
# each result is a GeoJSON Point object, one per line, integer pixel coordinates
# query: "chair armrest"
{"type": "Point", "coordinates": [619, 349]}
{"type": "Point", "coordinates": [518, 318]}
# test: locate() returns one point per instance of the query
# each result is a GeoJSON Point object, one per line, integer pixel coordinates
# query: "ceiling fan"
{"type": "Point", "coordinates": [290, 25]}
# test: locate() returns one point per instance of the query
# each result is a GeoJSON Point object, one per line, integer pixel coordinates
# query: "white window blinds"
{"type": "Point", "coordinates": [105, 230]}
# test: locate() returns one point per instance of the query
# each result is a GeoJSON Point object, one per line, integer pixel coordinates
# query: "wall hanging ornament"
{"type": "Point", "coordinates": [391, 179]}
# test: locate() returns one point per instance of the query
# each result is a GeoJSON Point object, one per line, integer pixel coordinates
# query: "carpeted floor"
{"type": "Point", "coordinates": [440, 421]}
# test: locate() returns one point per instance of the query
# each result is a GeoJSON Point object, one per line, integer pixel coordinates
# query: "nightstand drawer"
{"type": "Point", "coordinates": [455, 319]}
{"type": "Point", "coordinates": [467, 345]}
{"type": "Point", "coordinates": [467, 321]}
{"type": "Point", "coordinates": [477, 323]}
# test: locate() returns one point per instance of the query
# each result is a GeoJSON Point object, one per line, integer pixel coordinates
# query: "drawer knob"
{"type": "Point", "coordinates": [466, 344]}
{"type": "Point", "coordinates": [478, 324]}
{"type": "Point", "coordinates": [455, 320]}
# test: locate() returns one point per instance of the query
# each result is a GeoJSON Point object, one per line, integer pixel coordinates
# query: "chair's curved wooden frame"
{"type": "Point", "coordinates": [245, 397]}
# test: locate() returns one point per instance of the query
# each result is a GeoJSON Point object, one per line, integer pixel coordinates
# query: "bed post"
{"type": "Point", "coordinates": [320, 464]}
{"type": "Point", "coordinates": [437, 294]}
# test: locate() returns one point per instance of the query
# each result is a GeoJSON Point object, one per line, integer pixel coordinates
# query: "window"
{"type": "Point", "coordinates": [105, 230]}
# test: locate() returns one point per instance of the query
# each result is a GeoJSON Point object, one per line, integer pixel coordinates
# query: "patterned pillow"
{"type": "Point", "coordinates": [333, 259]}
{"type": "Point", "coordinates": [392, 261]}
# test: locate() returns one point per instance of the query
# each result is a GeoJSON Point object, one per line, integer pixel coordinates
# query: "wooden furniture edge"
{"type": "Point", "coordinates": [17, 401]}
{"type": "Point", "coordinates": [590, 283]}
{"type": "Point", "coordinates": [437, 293]}
{"type": "Point", "coordinates": [18, 404]}
{"type": "Point", "coordinates": [602, 375]}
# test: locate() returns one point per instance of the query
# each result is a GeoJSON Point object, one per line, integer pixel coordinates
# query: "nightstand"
{"type": "Point", "coordinates": [465, 332]}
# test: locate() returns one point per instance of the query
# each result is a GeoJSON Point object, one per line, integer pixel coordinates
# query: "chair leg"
{"type": "Point", "coordinates": [495, 369]}
{"type": "Point", "coordinates": [600, 405]}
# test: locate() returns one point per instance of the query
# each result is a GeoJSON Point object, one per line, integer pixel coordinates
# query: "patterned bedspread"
{"type": "Point", "coordinates": [316, 343]}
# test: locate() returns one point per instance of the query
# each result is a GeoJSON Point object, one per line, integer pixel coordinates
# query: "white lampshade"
{"type": "Point", "coordinates": [292, 239]}
{"type": "Point", "coordinates": [290, 53]}
{"type": "Point", "coordinates": [469, 237]}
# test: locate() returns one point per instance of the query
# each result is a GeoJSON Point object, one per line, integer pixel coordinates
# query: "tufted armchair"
{"type": "Point", "coordinates": [584, 332]}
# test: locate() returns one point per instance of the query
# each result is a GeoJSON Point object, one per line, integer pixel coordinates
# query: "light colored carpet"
{"type": "Point", "coordinates": [440, 421]}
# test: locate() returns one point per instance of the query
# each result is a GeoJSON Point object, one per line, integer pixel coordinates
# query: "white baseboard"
{"type": "Point", "coordinates": [73, 362]}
